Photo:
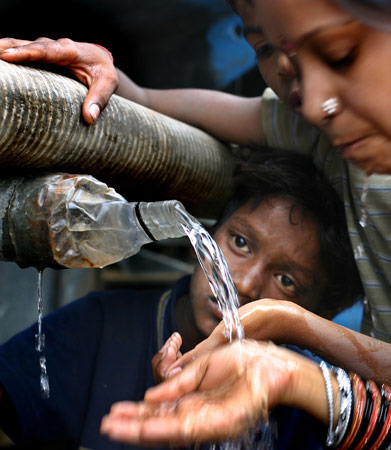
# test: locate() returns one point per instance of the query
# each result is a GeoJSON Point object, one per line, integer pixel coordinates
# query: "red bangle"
{"type": "Point", "coordinates": [374, 415]}
{"type": "Point", "coordinates": [359, 403]}
{"type": "Point", "coordinates": [387, 424]}
{"type": "Point", "coordinates": [105, 49]}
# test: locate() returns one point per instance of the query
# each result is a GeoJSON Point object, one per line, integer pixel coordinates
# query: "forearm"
{"type": "Point", "coordinates": [368, 357]}
{"type": "Point", "coordinates": [227, 117]}
{"type": "Point", "coordinates": [288, 323]}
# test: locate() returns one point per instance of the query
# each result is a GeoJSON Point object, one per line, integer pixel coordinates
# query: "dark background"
{"type": "Point", "coordinates": [158, 43]}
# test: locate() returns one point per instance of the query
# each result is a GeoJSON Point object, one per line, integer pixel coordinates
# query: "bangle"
{"type": "Point", "coordinates": [385, 432]}
{"type": "Point", "coordinates": [373, 417]}
{"type": "Point", "coordinates": [358, 412]}
{"type": "Point", "coordinates": [382, 419]}
{"type": "Point", "coordinates": [330, 402]}
{"type": "Point", "coordinates": [366, 417]}
{"type": "Point", "coordinates": [105, 49]}
{"type": "Point", "coordinates": [346, 404]}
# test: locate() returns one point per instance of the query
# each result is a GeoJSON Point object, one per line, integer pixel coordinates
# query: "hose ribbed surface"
{"type": "Point", "coordinates": [143, 154]}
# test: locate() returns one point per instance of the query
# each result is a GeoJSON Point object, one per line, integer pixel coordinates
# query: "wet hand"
{"type": "Point", "coordinates": [219, 395]}
{"type": "Point", "coordinates": [89, 63]}
{"type": "Point", "coordinates": [166, 356]}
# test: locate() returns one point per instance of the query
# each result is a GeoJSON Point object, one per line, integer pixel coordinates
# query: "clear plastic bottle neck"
{"type": "Point", "coordinates": [164, 219]}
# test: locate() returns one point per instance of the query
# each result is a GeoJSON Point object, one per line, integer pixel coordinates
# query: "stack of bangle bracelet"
{"type": "Point", "coordinates": [364, 419]}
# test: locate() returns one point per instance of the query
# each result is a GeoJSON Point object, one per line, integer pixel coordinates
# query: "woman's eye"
{"type": "Point", "coordinates": [264, 51]}
{"type": "Point", "coordinates": [286, 282]}
{"type": "Point", "coordinates": [240, 242]}
{"type": "Point", "coordinates": [342, 62]}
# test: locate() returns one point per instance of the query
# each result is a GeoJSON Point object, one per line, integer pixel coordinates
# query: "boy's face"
{"type": "Point", "coordinates": [271, 253]}
{"type": "Point", "coordinates": [333, 56]}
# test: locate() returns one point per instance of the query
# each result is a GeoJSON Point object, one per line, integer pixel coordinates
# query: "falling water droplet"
{"type": "Point", "coordinates": [40, 343]}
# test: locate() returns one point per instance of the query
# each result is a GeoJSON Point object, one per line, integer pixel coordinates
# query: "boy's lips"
{"type": "Point", "coordinates": [215, 308]}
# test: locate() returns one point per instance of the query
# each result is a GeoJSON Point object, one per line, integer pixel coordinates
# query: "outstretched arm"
{"type": "Point", "coordinates": [225, 116]}
{"type": "Point", "coordinates": [285, 322]}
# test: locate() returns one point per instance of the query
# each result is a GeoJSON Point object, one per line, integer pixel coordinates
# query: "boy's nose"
{"type": "Point", "coordinates": [248, 282]}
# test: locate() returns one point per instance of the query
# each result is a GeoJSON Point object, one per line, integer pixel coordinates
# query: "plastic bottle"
{"type": "Point", "coordinates": [76, 221]}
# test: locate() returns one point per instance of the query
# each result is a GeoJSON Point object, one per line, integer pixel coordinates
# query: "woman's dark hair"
{"type": "Point", "coordinates": [271, 173]}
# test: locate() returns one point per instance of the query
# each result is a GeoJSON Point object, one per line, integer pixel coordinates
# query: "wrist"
{"type": "Point", "coordinates": [105, 49]}
{"type": "Point", "coordinates": [307, 391]}
{"type": "Point", "coordinates": [259, 320]}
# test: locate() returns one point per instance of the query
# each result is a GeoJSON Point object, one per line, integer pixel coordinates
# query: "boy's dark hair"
{"type": "Point", "coordinates": [269, 173]}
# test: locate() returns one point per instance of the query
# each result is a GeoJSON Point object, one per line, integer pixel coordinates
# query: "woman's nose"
{"type": "Point", "coordinates": [320, 101]}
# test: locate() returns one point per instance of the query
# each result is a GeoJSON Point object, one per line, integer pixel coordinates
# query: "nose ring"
{"type": "Point", "coordinates": [330, 106]}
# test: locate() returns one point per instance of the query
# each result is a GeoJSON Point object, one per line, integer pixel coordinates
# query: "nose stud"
{"type": "Point", "coordinates": [330, 106]}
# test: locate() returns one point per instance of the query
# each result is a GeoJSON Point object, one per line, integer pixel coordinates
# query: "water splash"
{"type": "Point", "coordinates": [40, 343]}
{"type": "Point", "coordinates": [216, 270]}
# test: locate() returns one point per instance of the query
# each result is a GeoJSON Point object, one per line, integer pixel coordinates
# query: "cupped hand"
{"type": "Point", "coordinates": [166, 356]}
{"type": "Point", "coordinates": [217, 396]}
{"type": "Point", "coordinates": [89, 63]}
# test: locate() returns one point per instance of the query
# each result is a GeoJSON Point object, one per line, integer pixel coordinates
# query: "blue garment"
{"type": "Point", "coordinates": [98, 352]}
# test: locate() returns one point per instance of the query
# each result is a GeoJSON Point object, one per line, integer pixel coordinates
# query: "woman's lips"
{"type": "Point", "coordinates": [352, 145]}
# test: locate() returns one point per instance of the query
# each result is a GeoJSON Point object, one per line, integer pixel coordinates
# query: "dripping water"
{"type": "Point", "coordinates": [364, 192]}
{"type": "Point", "coordinates": [40, 343]}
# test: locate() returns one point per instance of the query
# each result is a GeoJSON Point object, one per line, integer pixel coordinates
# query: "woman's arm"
{"type": "Point", "coordinates": [225, 116]}
{"type": "Point", "coordinates": [228, 117]}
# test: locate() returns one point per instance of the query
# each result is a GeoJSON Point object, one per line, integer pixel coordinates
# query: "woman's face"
{"type": "Point", "coordinates": [335, 58]}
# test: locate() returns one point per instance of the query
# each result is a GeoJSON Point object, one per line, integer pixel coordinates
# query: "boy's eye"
{"type": "Point", "coordinates": [286, 282]}
{"type": "Point", "coordinates": [240, 242]}
{"type": "Point", "coordinates": [264, 51]}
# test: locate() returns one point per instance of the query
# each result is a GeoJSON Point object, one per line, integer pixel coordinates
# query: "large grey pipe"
{"type": "Point", "coordinates": [142, 154]}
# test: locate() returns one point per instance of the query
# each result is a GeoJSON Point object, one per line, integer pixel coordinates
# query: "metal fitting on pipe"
{"type": "Point", "coordinates": [23, 224]}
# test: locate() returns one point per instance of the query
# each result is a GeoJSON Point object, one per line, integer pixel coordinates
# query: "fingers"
{"type": "Point", "coordinates": [214, 340]}
{"type": "Point", "coordinates": [192, 420]}
{"type": "Point", "coordinates": [89, 63]}
{"type": "Point", "coordinates": [100, 91]}
{"type": "Point", "coordinates": [181, 383]}
{"type": "Point", "coordinates": [46, 50]}
{"type": "Point", "coordinates": [167, 355]}
{"type": "Point", "coordinates": [9, 43]}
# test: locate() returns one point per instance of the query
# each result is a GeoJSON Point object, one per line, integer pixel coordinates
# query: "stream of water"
{"type": "Point", "coordinates": [216, 270]}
